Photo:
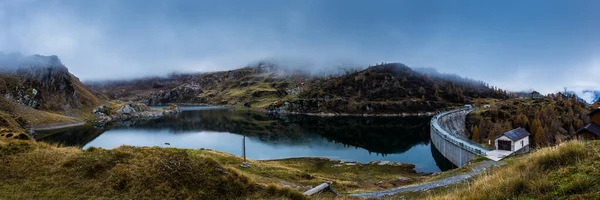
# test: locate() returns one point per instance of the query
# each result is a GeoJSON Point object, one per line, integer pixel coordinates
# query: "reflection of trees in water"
{"type": "Point", "coordinates": [75, 136]}
{"type": "Point", "coordinates": [376, 134]}
{"type": "Point", "coordinates": [257, 125]}
{"type": "Point", "coordinates": [442, 162]}
{"type": "Point", "coordinates": [383, 135]}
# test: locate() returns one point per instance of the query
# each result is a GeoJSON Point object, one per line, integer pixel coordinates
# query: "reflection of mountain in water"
{"type": "Point", "coordinates": [376, 134]}
{"type": "Point", "coordinates": [75, 136]}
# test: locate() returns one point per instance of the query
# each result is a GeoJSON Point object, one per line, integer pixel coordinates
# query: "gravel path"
{"type": "Point", "coordinates": [426, 186]}
{"type": "Point", "coordinates": [56, 126]}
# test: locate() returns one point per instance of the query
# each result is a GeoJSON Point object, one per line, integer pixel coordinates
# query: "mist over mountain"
{"type": "Point", "coordinates": [588, 95]}
{"type": "Point", "coordinates": [44, 83]}
{"type": "Point", "coordinates": [9, 62]}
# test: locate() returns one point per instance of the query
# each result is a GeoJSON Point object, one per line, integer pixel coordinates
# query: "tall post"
{"type": "Point", "coordinates": [245, 163]}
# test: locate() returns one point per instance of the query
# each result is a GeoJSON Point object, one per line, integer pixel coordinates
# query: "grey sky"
{"type": "Point", "coordinates": [517, 45]}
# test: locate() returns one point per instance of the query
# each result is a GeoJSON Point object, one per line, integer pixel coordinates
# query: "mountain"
{"type": "Point", "coordinates": [589, 96]}
{"type": "Point", "coordinates": [37, 90]}
{"type": "Point", "coordinates": [391, 88]}
{"type": "Point", "coordinates": [44, 83]}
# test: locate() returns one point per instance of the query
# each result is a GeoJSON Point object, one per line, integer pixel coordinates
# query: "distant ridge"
{"type": "Point", "coordinates": [589, 96]}
{"type": "Point", "coordinates": [386, 88]}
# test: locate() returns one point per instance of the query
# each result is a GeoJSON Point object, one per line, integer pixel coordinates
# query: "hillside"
{"type": "Point", "coordinates": [386, 88]}
{"type": "Point", "coordinates": [40, 170]}
{"type": "Point", "coordinates": [567, 171]}
{"type": "Point", "coordinates": [43, 171]}
{"type": "Point", "coordinates": [39, 90]}
{"type": "Point", "coordinates": [550, 119]}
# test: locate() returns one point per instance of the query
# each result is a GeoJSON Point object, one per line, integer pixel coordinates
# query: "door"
{"type": "Point", "coordinates": [504, 145]}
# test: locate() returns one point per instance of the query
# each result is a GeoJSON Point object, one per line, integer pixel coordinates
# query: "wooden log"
{"type": "Point", "coordinates": [317, 189]}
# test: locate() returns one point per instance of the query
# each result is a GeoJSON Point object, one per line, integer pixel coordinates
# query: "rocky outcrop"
{"type": "Point", "coordinates": [42, 82]}
{"type": "Point", "coordinates": [345, 106]}
{"type": "Point", "coordinates": [129, 111]}
{"type": "Point", "coordinates": [179, 94]}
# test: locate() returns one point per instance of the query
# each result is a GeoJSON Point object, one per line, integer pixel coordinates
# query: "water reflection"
{"type": "Point", "coordinates": [271, 136]}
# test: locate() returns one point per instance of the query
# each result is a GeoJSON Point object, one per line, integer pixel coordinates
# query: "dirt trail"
{"type": "Point", "coordinates": [56, 126]}
{"type": "Point", "coordinates": [426, 186]}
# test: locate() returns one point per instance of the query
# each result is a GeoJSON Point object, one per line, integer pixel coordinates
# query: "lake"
{"type": "Point", "coordinates": [361, 139]}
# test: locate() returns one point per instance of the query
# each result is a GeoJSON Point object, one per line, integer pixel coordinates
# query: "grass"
{"type": "Point", "coordinates": [26, 116]}
{"type": "Point", "coordinates": [568, 171]}
{"type": "Point", "coordinates": [301, 172]}
{"type": "Point", "coordinates": [42, 171]}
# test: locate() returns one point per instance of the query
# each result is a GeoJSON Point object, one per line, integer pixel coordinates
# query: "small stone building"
{"type": "Point", "coordinates": [590, 131]}
{"type": "Point", "coordinates": [516, 141]}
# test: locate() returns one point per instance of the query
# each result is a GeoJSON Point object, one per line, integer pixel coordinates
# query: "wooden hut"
{"type": "Point", "coordinates": [590, 131]}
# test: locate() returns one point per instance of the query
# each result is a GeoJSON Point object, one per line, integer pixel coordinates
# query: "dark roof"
{"type": "Point", "coordinates": [594, 111]}
{"type": "Point", "coordinates": [591, 127]}
{"type": "Point", "coordinates": [515, 134]}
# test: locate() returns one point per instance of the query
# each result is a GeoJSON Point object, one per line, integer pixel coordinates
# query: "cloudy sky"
{"type": "Point", "coordinates": [517, 45]}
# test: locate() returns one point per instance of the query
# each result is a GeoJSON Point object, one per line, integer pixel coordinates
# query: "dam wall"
{"type": "Point", "coordinates": [448, 135]}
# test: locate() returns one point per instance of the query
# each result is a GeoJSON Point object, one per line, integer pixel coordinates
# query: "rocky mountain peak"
{"type": "Point", "coordinates": [42, 82]}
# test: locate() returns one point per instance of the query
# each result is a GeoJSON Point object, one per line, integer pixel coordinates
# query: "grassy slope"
{"type": "Point", "coordinates": [39, 170]}
{"type": "Point", "coordinates": [568, 171]}
{"type": "Point", "coordinates": [31, 117]}
{"type": "Point", "coordinates": [42, 171]}
{"type": "Point", "coordinates": [296, 172]}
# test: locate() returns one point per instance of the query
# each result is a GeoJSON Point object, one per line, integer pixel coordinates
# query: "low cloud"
{"type": "Point", "coordinates": [100, 40]}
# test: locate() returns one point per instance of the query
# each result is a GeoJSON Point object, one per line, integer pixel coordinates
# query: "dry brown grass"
{"type": "Point", "coordinates": [28, 117]}
{"type": "Point", "coordinates": [568, 171]}
{"type": "Point", "coordinates": [298, 173]}
{"type": "Point", "coordinates": [42, 171]}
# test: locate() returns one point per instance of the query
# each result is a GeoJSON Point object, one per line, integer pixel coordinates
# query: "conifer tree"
{"type": "Point", "coordinates": [475, 135]}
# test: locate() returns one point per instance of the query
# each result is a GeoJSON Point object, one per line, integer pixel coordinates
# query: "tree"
{"type": "Point", "coordinates": [540, 137]}
{"type": "Point", "coordinates": [491, 134]}
{"type": "Point", "coordinates": [475, 135]}
{"type": "Point", "coordinates": [535, 126]}
{"type": "Point", "coordinates": [526, 122]}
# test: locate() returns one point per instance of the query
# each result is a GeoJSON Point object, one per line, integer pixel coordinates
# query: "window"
{"type": "Point", "coordinates": [522, 143]}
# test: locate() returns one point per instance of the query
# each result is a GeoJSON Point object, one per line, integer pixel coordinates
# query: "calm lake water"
{"type": "Point", "coordinates": [362, 139]}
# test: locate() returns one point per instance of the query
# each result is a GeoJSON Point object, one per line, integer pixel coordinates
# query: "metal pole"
{"type": "Point", "coordinates": [245, 163]}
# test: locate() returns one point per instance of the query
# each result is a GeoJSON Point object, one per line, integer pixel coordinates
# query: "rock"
{"type": "Point", "coordinates": [384, 162]}
{"type": "Point", "coordinates": [126, 110]}
{"type": "Point", "coordinates": [172, 109]}
{"type": "Point", "coordinates": [100, 111]}
{"type": "Point", "coordinates": [403, 179]}
{"type": "Point", "coordinates": [132, 111]}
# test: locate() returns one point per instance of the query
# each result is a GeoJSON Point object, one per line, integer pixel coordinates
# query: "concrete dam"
{"type": "Point", "coordinates": [448, 135]}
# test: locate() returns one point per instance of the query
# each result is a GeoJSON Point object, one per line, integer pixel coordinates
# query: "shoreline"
{"type": "Point", "coordinates": [322, 114]}
{"type": "Point", "coordinates": [45, 127]}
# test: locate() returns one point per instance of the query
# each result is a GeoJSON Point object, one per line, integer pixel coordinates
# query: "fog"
{"type": "Point", "coordinates": [541, 45]}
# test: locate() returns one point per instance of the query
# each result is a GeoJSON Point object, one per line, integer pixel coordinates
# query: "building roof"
{"type": "Point", "coordinates": [594, 111]}
{"type": "Point", "coordinates": [591, 127]}
{"type": "Point", "coordinates": [515, 134]}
